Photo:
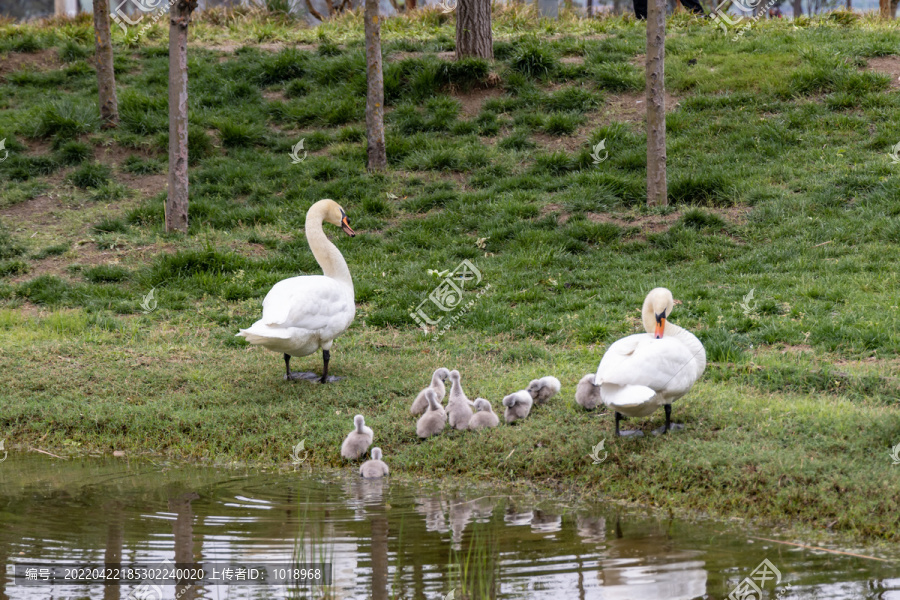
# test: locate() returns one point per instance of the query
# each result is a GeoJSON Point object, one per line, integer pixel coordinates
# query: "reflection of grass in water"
{"type": "Point", "coordinates": [474, 571]}
{"type": "Point", "coordinates": [311, 546]}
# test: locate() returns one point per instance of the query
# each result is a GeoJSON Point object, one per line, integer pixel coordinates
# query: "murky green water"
{"type": "Point", "coordinates": [385, 540]}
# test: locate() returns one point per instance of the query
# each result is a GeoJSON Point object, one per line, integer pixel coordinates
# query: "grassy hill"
{"type": "Point", "coordinates": [780, 184]}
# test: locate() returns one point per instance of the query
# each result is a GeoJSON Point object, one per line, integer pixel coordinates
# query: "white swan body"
{"type": "Point", "coordinates": [304, 314]}
{"type": "Point", "coordinates": [642, 372]}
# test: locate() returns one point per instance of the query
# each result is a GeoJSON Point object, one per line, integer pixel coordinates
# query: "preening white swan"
{"type": "Point", "coordinates": [303, 314]}
{"type": "Point", "coordinates": [641, 372]}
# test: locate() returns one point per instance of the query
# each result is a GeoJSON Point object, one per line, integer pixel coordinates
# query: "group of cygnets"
{"type": "Point", "coordinates": [638, 374]}
{"type": "Point", "coordinates": [434, 417]}
{"type": "Point", "coordinates": [459, 412]}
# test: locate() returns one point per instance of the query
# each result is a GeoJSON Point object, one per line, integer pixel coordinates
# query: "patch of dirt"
{"type": "Point", "coordinates": [798, 348]}
{"type": "Point", "coordinates": [271, 47]}
{"type": "Point", "coordinates": [42, 60]}
{"type": "Point", "coordinates": [572, 60]}
{"type": "Point", "coordinates": [473, 101]}
{"type": "Point", "coordinates": [654, 223]}
{"type": "Point", "coordinates": [889, 65]}
{"type": "Point", "coordinates": [646, 223]}
{"type": "Point", "coordinates": [273, 95]}
{"type": "Point", "coordinates": [631, 107]}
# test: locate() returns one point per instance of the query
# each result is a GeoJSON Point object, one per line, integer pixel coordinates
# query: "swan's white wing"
{"type": "Point", "coordinates": [312, 302]}
{"type": "Point", "coordinates": [617, 354]}
{"type": "Point", "coordinates": [663, 365]}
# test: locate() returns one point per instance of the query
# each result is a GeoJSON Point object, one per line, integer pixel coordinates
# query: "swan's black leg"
{"type": "Point", "coordinates": [627, 432]}
{"type": "Point", "coordinates": [326, 356]}
{"type": "Point", "coordinates": [669, 426]}
{"type": "Point", "coordinates": [294, 376]}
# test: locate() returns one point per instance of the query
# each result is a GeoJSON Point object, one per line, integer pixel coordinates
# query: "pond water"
{"type": "Point", "coordinates": [383, 539]}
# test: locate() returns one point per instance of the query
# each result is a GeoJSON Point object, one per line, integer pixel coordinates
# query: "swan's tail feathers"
{"type": "Point", "coordinates": [625, 396]}
{"type": "Point", "coordinates": [260, 334]}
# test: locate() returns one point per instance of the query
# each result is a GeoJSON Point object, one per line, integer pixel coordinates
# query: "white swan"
{"type": "Point", "coordinates": [303, 314]}
{"type": "Point", "coordinates": [641, 372]}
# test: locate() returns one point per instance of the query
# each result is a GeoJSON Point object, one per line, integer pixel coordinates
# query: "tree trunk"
{"type": "Point", "coordinates": [375, 81]}
{"type": "Point", "coordinates": [885, 8]}
{"type": "Point", "coordinates": [798, 8]}
{"type": "Point", "coordinates": [893, 8]}
{"type": "Point", "coordinates": [657, 194]}
{"type": "Point", "coordinates": [177, 202]}
{"type": "Point", "coordinates": [106, 76]}
{"type": "Point", "coordinates": [473, 29]}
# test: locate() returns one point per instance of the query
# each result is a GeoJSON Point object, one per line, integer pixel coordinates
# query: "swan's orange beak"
{"type": "Point", "coordinates": [660, 327]}
{"type": "Point", "coordinates": [345, 225]}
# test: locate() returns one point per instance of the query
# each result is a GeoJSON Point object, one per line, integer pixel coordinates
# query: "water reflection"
{"type": "Point", "coordinates": [384, 540]}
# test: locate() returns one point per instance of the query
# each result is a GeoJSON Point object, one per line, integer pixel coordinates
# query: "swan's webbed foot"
{"type": "Point", "coordinates": [298, 376]}
{"type": "Point", "coordinates": [626, 432]}
{"type": "Point", "coordinates": [669, 426]}
{"type": "Point", "coordinates": [630, 433]}
{"type": "Point", "coordinates": [672, 427]}
{"type": "Point", "coordinates": [329, 379]}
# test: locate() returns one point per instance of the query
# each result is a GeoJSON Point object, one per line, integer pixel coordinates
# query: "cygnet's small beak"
{"type": "Point", "coordinates": [660, 326]}
{"type": "Point", "coordinates": [345, 225]}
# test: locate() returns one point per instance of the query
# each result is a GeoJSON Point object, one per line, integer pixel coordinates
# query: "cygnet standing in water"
{"type": "Point", "coordinates": [420, 404]}
{"type": "Point", "coordinates": [543, 389]}
{"type": "Point", "coordinates": [587, 394]}
{"type": "Point", "coordinates": [458, 405]}
{"type": "Point", "coordinates": [375, 468]}
{"type": "Point", "coordinates": [484, 415]}
{"type": "Point", "coordinates": [358, 440]}
{"type": "Point", "coordinates": [517, 405]}
{"type": "Point", "coordinates": [434, 419]}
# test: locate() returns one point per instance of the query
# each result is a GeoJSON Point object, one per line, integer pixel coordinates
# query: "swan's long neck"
{"type": "Point", "coordinates": [437, 383]}
{"type": "Point", "coordinates": [327, 255]}
{"type": "Point", "coordinates": [456, 390]}
{"type": "Point", "coordinates": [690, 341]}
{"type": "Point", "coordinates": [361, 427]}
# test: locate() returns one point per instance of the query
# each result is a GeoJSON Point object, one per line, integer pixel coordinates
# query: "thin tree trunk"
{"type": "Point", "coordinates": [473, 29]}
{"type": "Point", "coordinates": [410, 4]}
{"type": "Point", "coordinates": [657, 194]}
{"type": "Point", "coordinates": [106, 76]}
{"type": "Point", "coordinates": [177, 202]}
{"type": "Point", "coordinates": [885, 9]}
{"type": "Point", "coordinates": [798, 8]}
{"type": "Point", "coordinates": [375, 81]}
{"type": "Point", "coordinates": [313, 11]}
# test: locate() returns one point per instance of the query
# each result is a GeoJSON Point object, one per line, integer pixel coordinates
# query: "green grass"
{"type": "Point", "coordinates": [779, 182]}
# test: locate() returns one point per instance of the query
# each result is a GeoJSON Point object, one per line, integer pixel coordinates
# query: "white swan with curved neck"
{"type": "Point", "coordinates": [303, 314]}
{"type": "Point", "coordinates": [642, 372]}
